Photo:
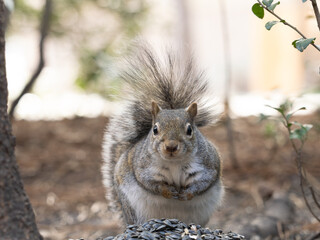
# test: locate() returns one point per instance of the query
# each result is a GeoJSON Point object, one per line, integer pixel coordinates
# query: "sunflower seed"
{"type": "Point", "coordinates": [172, 229]}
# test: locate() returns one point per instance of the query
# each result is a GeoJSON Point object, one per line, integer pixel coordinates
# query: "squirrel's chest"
{"type": "Point", "coordinates": [179, 174]}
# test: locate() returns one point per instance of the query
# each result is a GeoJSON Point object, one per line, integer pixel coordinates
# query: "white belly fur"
{"type": "Point", "coordinates": [197, 210]}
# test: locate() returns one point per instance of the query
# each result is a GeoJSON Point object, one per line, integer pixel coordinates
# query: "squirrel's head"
{"type": "Point", "coordinates": [173, 131]}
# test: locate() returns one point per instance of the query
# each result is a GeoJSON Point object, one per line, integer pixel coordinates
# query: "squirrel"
{"type": "Point", "coordinates": [156, 162]}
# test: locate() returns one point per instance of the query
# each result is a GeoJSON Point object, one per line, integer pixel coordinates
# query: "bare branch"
{"type": "Point", "coordinates": [305, 198]}
{"type": "Point", "coordinates": [227, 63]}
{"type": "Point", "coordinates": [314, 237]}
{"type": "Point", "coordinates": [286, 23]}
{"type": "Point", "coordinates": [44, 29]}
{"type": "Point", "coordinates": [314, 196]}
{"type": "Point", "coordinates": [316, 11]}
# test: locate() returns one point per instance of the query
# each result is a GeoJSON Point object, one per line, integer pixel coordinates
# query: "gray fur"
{"type": "Point", "coordinates": [172, 84]}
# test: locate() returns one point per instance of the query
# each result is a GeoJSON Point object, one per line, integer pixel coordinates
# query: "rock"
{"type": "Point", "coordinates": [266, 225]}
{"type": "Point", "coordinates": [281, 208]}
{"type": "Point", "coordinates": [261, 226]}
{"type": "Point", "coordinates": [249, 230]}
{"type": "Point", "coordinates": [278, 210]}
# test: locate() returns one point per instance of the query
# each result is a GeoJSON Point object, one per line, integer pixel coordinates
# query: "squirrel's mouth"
{"type": "Point", "coordinates": [170, 149]}
{"type": "Point", "coordinates": [171, 154]}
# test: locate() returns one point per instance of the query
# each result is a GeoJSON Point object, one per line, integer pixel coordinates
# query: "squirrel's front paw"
{"type": "Point", "coordinates": [185, 195]}
{"type": "Point", "coordinates": [169, 192]}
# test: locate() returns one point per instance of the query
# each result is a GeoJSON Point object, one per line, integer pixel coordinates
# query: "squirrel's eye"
{"type": "Point", "coordinates": [189, 130]}
{"type": "Point", "coordinates": [155, 130]}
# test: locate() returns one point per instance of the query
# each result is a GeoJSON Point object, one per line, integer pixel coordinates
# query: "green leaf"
{"type": "Point", "coordinates": [302, 108]}
{"type": "Point", "coordinates": [263, 117]}
{"type": "Point", "coordinates": [280, 110]}
{"type": "Point", "coordinates": [300, 133]}
{"type": "Point", "coordinates": [270, 24]}
{"type": "Point", "coordinates": [302, 43]}
{"type": "Point", "coordinates": [296, 134]}
{"type": "Point", "coordinates": [273, 6]}
{"type": "Point", "coordinates": [294, 43]}
{"type": "Point", "coordinates": [289, 115]}
{"type": "Point", "coordinates": [307, 126]}
{"type": "Point", "coordinates": [258, 10]}
{"type": "Point", "coordinates": [297, 124]}
{"type": "Point", "coordinates": [270, 129]}
{"type": "Point", "coordinates": [267, 3]}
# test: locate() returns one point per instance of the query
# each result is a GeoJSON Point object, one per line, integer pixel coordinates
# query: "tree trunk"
{"type": "Point", "coordinates": [17, 219]}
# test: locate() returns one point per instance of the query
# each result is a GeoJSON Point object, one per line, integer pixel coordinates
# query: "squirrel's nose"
{"type": "Point", "coordinates": [171, 146]}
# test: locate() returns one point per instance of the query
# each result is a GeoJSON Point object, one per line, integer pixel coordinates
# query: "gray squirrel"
{"type": "Point", "coordinates": [156, 162]}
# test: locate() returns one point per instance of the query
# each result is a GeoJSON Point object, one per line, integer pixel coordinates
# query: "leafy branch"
{"type": "Point", "coordinates": [299, 133]}
{"type": "Point", "coordinates": [268, 5]}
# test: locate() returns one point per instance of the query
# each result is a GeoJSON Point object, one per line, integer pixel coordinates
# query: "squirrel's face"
{"type": "Point", "coordinates": [173, 132]}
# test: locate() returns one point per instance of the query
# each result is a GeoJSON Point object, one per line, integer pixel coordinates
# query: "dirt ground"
{"type": "Point", "coordinates": [60, 165]}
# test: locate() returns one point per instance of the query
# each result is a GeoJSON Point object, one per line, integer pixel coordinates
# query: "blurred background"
{"type": "Point", "coordinates": [86, 37]}
{"type": "Point", "coordinates": [72, 59]}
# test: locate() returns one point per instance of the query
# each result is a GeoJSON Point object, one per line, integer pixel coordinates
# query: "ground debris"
{"type": "Point", "coordinates": [172, 229]}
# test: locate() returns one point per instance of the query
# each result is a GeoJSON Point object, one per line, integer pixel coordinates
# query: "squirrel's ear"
{"type": "Point", "coordinates": [155, 109]}
{"type": "Point", "coordinates": [192, 110]}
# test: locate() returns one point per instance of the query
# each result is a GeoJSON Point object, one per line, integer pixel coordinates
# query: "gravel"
{"type": "Point", "coordinates": [172, 229]}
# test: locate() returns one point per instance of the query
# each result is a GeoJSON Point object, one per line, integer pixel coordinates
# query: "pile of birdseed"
{"type": "Point", "coordinates": [172, 229]}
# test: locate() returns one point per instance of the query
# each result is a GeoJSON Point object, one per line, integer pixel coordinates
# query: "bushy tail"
{"type": "Point", "coordinates": [173, 83]}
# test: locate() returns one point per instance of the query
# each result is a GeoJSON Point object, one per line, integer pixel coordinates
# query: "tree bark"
{"type": "Point", "coordinates": [17, 220]}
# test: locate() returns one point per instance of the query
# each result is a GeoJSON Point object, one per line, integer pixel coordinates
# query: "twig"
{"type": "Point", "coordinates": [184, 26]}
{"type": "Point", "coordinates": [298, 152]}
{"type": "Point", "coordinates": [286, 23]}
{"type": "Point", "coordinates": [227, 61]}
{"type": "Point", "coordinates": [314, 237]}
{"type": "Point", "coordinates": [314, 197]}
{"type": "Point", "coordinates": [44, 29]}
{"type": "Point", "coordinates": [316, 11]}
{"type": "Point", "coordinates": [281, 232]}
{"type": "Point", "coordinates": [304, 195]}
